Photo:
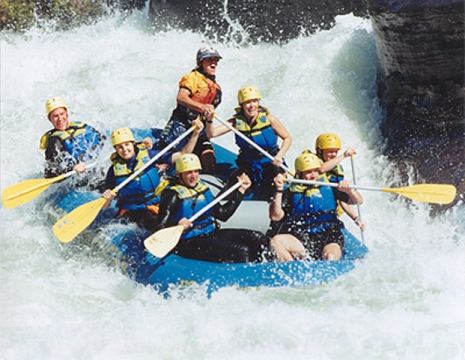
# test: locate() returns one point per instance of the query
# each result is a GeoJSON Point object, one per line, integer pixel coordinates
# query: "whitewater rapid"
{"type": "Point", "coordinates": [404, 301]}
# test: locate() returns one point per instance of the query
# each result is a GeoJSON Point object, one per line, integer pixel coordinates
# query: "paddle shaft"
{"type": "Point", "coordinates": [72, 172]}
{"type": "Point", "coordinates": [68, 174]}
{"type": "Point", "coordinates": [51, 181]}
{"type": "Point", "coordinates": [358, 206]}
{"type": "Point", "coordinates": [215, 201]}
{"type": "Point", "coordinates": [251, 143]}
{"type": "Point", "coordinates": [314, 182]}
{"type": "Point", "coordinates": [152, 160]}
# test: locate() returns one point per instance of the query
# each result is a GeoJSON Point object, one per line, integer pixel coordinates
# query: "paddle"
{"type": "Point", "coordinates": [27, 190]}
{"type": "Point", "coordinates": [160, 243]}
{"type": "Point", "coordinates": [251, 143]}
{"type": "Point", "coordinates": [358, 206]}
{"type": "Point", "coordinates": [428, 193]}
{"type": "Point", "coordinates": [73, 223]}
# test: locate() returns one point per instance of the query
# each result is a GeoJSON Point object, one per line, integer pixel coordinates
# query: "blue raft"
{"type": "Point", "coordinates": [175, 270]}
{"type": "Point", "coordinates": [171, 271]}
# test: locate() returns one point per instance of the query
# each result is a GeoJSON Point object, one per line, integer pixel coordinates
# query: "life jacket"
{"type": "Point", "coordinates": [204, 90]}
{"type": "Point", "coordinates": [336, 174]}
{"type": "Point", "coordinates": [193, 200]}
{"type": "Point", "coordinates": [140, 193]}
{"type": "Point", "coordinates": [312, 207]}
{"type": "Point", "coordinates": [261, 133]}
{"type": "Point", "coordinates": [79, 140]}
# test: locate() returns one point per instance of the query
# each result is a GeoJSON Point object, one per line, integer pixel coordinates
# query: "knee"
{"type": "Point", "coordinates": [275, 242]}
{"type": "Point", "coordinates": [280, 249]}
{"type": "Point", "coordinates": [332, 252]}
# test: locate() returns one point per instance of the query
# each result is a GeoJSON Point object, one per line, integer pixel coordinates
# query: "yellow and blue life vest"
{"type": "Point", "coordinates": [79, 140]}
{"type": "Point", "coordinates": [261, 133]}
{"type": "Point", "coordinates": [336, 174]}
{"type": "Point", "coordinates": [193, 200]}
{"type": "Point", "coordinates": [140, 192]}
{"type": "Point", "coordinates": [312, 207]}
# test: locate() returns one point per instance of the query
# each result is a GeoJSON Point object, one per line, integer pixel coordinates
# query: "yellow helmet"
{"type": "Point", "coordinates": [54, 103]}
{"type": "Point", "coordinates": [188, 162]}
{"type": "Point", "coordinates": [307, 161]}
{"type": "Point", "coordinates": [121, 135]}
{"type": "Point", "coordinates": [306, 151]}
{"type": "Point", "coordinates": [248, 93]}
{"type": "Point", "coordinates": [328, 141]}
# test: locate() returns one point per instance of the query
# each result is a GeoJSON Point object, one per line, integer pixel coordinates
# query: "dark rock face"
{"type": "Point", "coordinates": [421, 85]}
{"type": "Point", "coordinates": [264, 20]}
{"type": "Point", "coordinates": [421, 64]}
{"type": "Point", "coordinates": [422, 68]}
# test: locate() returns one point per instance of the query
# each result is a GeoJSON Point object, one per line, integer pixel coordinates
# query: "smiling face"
{"type": "Point", "coordinates": [209, 66]}
{"type": "Point", "coordinates": [189, 178]}
{"type": "Point", "coordinates": [329, 154]}
{"type": "Point", "coordinates": [250, 108]}
{"type": "Point", "coordinates": [125, 150]}
{"type": "Point", "coordinates": [59, 118]}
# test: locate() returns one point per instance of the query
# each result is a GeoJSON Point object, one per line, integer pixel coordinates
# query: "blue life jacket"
{"type": "Point", "coordinates": [193, 200]}
{"type": "Point", "coordinates": [80, 140]}
{"type": "Point", "coordinates": [312, 208]}
{"type": "Point", "coordinates": [262, 134]}
{"type": "Point", "coordinates": [140, 192]}
{"type": "Point", "coordinates": [336, 174]}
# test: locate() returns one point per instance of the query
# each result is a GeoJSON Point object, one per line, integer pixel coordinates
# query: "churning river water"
{"type": "Point", "coordinates": [405, 300]}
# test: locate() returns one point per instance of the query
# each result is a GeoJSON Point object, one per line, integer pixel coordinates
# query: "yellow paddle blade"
{"type": "Point", "coordinates": [25, 191]}
{"type": "Point", "coordinates": [428, 193]}
{"type": "Point", "coordinates": [73, 223]}
{"type": "Point", "coordinates": [163, 241]}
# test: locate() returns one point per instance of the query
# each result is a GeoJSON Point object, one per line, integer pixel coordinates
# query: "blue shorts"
{"type": "Point", "coordinates": [176, 128]}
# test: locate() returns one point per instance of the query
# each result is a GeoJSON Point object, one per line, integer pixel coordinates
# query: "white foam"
{"type": "Point", "coordinates": [404, 301]}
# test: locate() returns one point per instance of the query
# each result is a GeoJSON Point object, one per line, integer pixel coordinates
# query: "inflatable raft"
{"type": "Point", "coordinates": [172, 271]}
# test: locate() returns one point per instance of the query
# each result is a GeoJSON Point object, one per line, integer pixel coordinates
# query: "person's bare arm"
{"type": "Point", "coordinates": [330, 164]}
{"type": "Point", "coordinates": [190, 145]}
{"type": "Point", "coordinates": [282, 132]}
{"type": "Point", "coordinates": [184, 98]}
{"type": "Point", "coordinates": [276, 211]}
{"type": "Point", "coordinates": [354, 196]}
{"type": "Point", "coordinates": [350, 211]}
{"type": "Point", "coordinates": [213, 132]}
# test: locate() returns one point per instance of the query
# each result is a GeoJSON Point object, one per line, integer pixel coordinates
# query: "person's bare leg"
{"type": "Point", "coordinates": [332, 252]}
{"type": "Point", "coordinates": [287, 247]}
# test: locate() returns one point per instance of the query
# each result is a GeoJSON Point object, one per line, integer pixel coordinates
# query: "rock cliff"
{"type": "Point", "coordinates": [420, 45]}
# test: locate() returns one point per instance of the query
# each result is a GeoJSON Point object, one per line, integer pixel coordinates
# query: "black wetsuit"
{"type": "Point", "coordinates": [222, 245]}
